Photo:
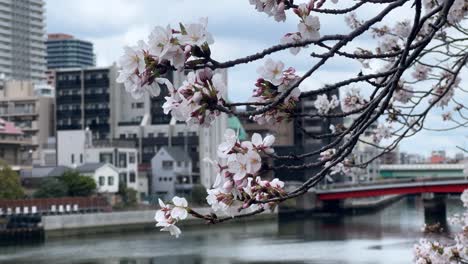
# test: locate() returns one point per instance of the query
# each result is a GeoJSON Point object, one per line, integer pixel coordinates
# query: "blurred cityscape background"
{"type": "Point", "coordinates": [62, 119]}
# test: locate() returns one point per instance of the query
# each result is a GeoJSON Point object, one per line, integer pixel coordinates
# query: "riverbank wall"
{"type": "Point", "coordinates": [121, 222]}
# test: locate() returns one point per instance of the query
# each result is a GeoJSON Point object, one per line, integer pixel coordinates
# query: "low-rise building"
{"type": "Point", "coordinates": [171, 172]}
{"type": "Point", "coordinates": [105, 175]}
{"type": "Point", "coordinates": [76, 147]}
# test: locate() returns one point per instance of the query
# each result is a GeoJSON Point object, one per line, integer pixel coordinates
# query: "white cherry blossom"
{"type": "Point", "coordinates": [309, 28]}
{"type": "Point", "coordinates": [272, 71]}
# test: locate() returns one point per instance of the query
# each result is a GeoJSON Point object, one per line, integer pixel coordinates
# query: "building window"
{"type": "Point", "coordinates": [110, 180]}
{"type": "Point", "coordinates": [151, 135]}
{"type": "Point", "coordinates": [72, 158]}
{"type": "Point", "coordinates": [180, 134]}
{"type": "Point", "coordinates": [123, 178]}
{"type": "Point", "coordinates": [123, 136]}
{"type": "Point", "coordinates": [106, 158]}
{"type": "Point", "coordinates": [161, 134]}
{"type": "Point", "coordinates": [102, 180]}
{"type": "Point", "coordinates": [167, 165]}
{"type": "Point", "coordinates": [160, 179]}
{"type": "Point", "coordinates": [81, 158]}
{"type": "Point", "coordinates": [122, 160]}
{"type": "Point", "coordinates": [131, 158]}
{"type": "Point", "coordinates": [132, 177]}
{"type": "Point", "coordinates": [179, 164]}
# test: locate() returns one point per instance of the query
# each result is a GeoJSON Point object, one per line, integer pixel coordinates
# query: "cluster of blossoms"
{"type": "Point", "coordinates": [403, 93]}
{"type": "Point", "coordinates": [275, 80]}
{"type": "Point", "coordinates": [308, 27]}
{"type": "Point", "coordinates": [196, 100]}
{"type": "Point", "coordinates": [432, 252]}
{"type": "Point", "coordinates": [444, 90]}
{"type": "Point", "coordinates": [170, 214]}
{"type": "Point", "coordinates": [458, 11]}
{"type": "Point", "coordinates": [382, 131]}
{"type": "Point", "coordinates": [144, 65]}
{"type": "Point", "coordinates": [324, 106]}
{"type": "Point", "coordinates": [340, 168]}
{"type": "Point", "coordinates": [353, 100]}
{"type": "Point", "coordinates": [272, 8]}
{"type": "Point", "coordinates": [238, 185]}
{"type": "Point", "coordinates": [421, 72]}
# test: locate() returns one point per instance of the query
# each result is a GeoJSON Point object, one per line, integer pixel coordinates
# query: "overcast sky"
{"type": "Point", "coordinates": [238, 30]}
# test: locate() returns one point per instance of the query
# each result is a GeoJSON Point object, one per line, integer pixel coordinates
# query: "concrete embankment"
{"type": "Point", "coordinates": [118, 222]}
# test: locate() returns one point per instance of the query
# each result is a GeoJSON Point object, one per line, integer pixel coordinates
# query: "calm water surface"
{"type": "Point", "coordinates": [383, 237]}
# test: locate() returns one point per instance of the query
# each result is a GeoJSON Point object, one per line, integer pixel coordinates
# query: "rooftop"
{"type": "Point", "coordinates": [177, 153]}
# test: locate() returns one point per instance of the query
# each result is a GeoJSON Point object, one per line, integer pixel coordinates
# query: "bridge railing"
{"type": "Point", "coordinates": [388, 181]}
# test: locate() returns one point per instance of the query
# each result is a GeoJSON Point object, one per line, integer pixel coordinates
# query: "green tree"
{"type": "Point", "coordinates": [10, 184]}
{"type": "Point", "coordinates": [51, 188]}
{"type": "Point", "coordinates": [129, 195]}
{"type": "Point", "coordinates": [77, 184]}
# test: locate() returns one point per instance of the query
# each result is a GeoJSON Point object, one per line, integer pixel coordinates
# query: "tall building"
{"type": "Point", "coordinates": [22, 46]}
{"type": "Point", "coordinates": [83, 100]}
{"type": "Point", "coordinates": [31, 108]}
{"type": "Point", "coordinates": [65, 51]}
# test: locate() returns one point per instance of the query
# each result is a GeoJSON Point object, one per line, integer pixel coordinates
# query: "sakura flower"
{"type": "Point", "coordinates": [196, 34]}
{"type": "Point", "coordinates": [160, 42]}
{"type": "Point", "coordinates": [265, 144]}
{"type": "Point", "coordinates": [403, 28]}
{"type": "Point", "coordinates": [238, 166]}
{"type": "Point", "coordinates": [352, 100]}
{"type": "Point", "coordinates": [173, 230]}
{"type": "Point", "coordinates": [272, 71]}
{"type": "Point", "coordinates": [403, 93]}
{"type": "Point", "coordinates": [464, 198]}
{"type": "Point", "coordinates": [323, 105]}
{"type": "Point", "coordinates": [254, 162]}
{"type": "Point", "coordinates": [292, 38]}
{"type": "Point", "coordinates": [309, 28]}
{"type": "Point", "coordinates": [276, 183]}
{"type": "Point", "coordinates": [447, 116]}
{"type": "Point", "coordinates": [133, 60]}
{"type": "Point", "coordinates": [352, 21]}
{"type": "Point", "coordinates": [421, 72]}
{"type": "Point", "coordinates": [382, 131]}
{"type": "Point", "coordinates": [230, 141]}
{"type": "Point", "coordinates": [179, 211]}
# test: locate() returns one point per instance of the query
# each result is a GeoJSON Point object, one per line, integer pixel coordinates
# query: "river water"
{"type": "Point", "coordinates": [382, 237]}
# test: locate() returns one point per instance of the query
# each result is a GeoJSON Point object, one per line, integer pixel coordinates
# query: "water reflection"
{"type": "Point", "coordinates": [381, 237]}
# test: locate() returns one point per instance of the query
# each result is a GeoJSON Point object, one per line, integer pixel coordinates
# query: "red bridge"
{"type": "Point", "coordinates": [341, 192]}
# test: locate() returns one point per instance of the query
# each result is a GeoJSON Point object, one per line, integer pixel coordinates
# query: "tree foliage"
{"type": "Point", "coordinates": [10, 184]}
{"type": "Point", "coordinates": [51, 188]}
{"type": "Point", "coordinates": [77, 184]}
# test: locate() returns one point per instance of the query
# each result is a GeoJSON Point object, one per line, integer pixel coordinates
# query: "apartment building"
{"type": "Point", "coordinates": [22, 40]}
{"type": "Point", "coordinates": [31, 108]}
{"type": "Point", "coordinates": [65, 51]}
{"type": "Point", "coordinates": [14, 147]}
